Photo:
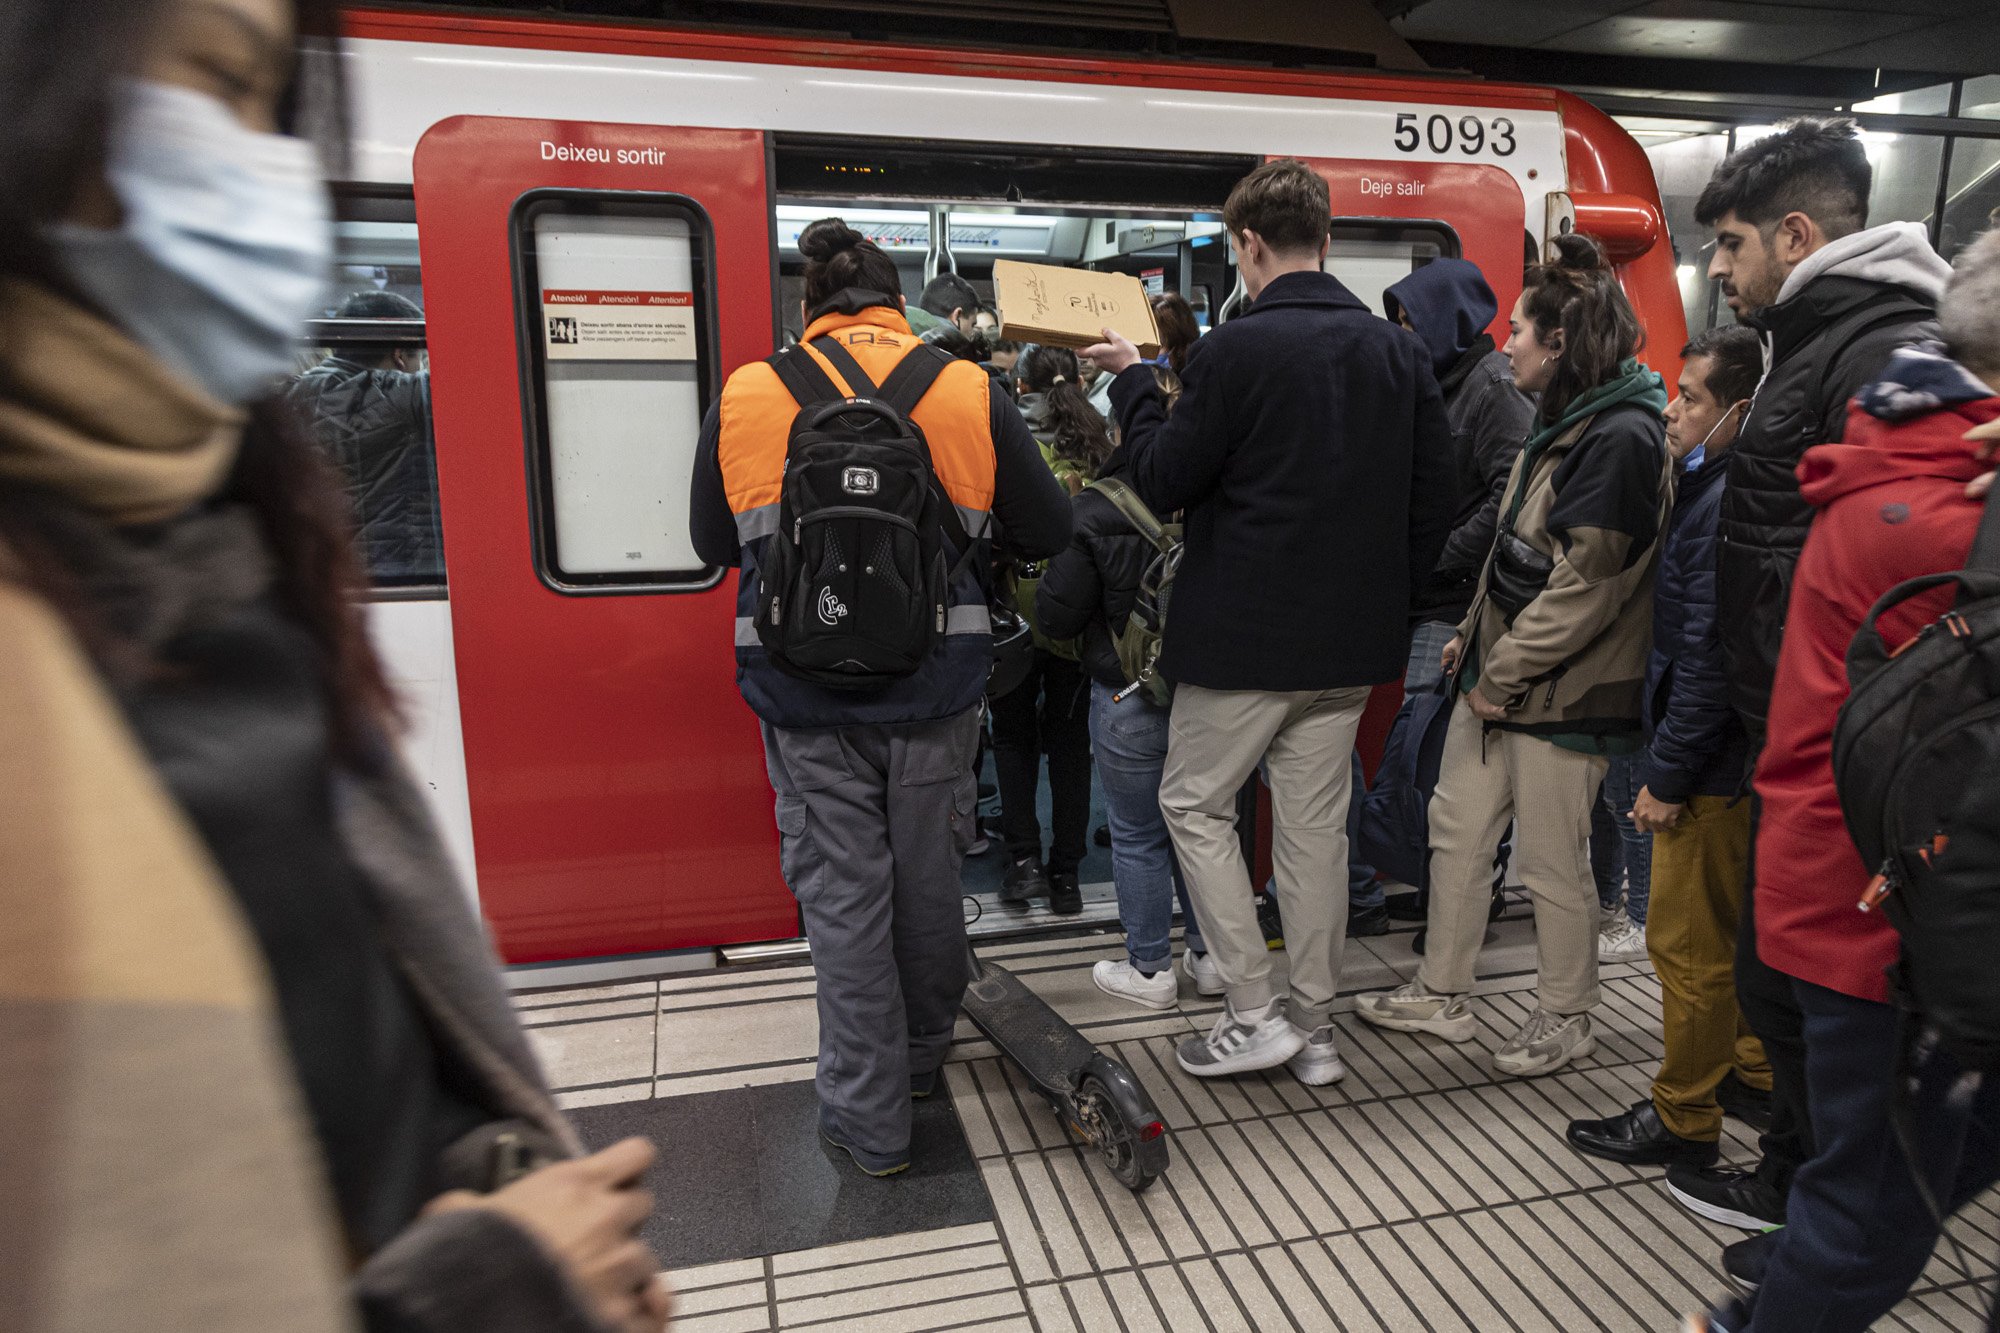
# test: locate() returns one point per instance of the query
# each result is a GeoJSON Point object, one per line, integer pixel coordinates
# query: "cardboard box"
{"type": "Point", "coordinates": [1071, 307]}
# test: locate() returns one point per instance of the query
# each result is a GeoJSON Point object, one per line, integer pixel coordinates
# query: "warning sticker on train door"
{"type": "Point", "coordinates": [618, 326]}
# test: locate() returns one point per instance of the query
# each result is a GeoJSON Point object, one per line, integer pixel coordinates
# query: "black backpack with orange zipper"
{"type": "Point", "coordinates": [1920, 723]}
{"type": "Point", "coordinates": [854, 586]}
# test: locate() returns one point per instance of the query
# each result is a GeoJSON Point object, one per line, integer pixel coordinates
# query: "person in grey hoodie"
{"type": "Point", "coordinates": [1448, 305]}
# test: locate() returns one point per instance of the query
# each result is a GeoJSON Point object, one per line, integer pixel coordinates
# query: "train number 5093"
{"type": "Point", "coordinates": [1440, 133]}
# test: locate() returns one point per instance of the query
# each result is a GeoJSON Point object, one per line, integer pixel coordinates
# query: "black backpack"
{"type": "Point", "coordinates": [1395, 832]}
{"type": "Point", "coordinates": [854, 585]}
{"type": "Point", "coordinates": [1145, 629]}
{"type": "Point", "coordinates": [1919, 725]}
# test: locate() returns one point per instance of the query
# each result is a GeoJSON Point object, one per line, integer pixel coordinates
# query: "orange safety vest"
{"type": "Point", "coordinates": [956, 417]}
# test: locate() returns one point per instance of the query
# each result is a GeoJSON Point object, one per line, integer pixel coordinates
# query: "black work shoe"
{"type": "Point", "coordinates": [923, 1085]}
{"type": "Point", "coordinates": [874, 1163]}
{"type": "Point", "coordinates": [1638, 1139]}
{"type": "Point", "coordinates": [1103, 835]}
{"type": "Point", "coordinates": [1744, 1261]}
{"type": "Point", "coordinates": [1065, 894]}
{"type": "Point", "coordinates": [1367, 921]}
{"type": "Point", "coordinates": [1405, 906]}
{"type": "Point", "coordinates": [1723, 1194]}
{"type": "Point", "coordinates": [1024, 879]}
{"type": "Point", "coordinates": [1750, 1105]}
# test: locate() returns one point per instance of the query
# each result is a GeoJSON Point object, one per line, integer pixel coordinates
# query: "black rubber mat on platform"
{"type": "Point", "coordinates": [743, 1173]}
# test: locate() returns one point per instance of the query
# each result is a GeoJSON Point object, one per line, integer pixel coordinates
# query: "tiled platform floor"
{"type": "Point", "coordinates": [1420, 1193]}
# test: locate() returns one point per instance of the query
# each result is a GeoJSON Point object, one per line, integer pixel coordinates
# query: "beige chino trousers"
{"type": "Point", "coordinates": [1484, 780]}
{"type": "Point", "coordinates": [1216, 739]}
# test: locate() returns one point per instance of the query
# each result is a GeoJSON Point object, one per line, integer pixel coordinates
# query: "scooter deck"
{"type": "Point", "coordinates": [1021, 1023]}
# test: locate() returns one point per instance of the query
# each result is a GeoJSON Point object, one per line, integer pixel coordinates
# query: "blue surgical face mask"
{"type": "Point", "coordinates": [223, 252]}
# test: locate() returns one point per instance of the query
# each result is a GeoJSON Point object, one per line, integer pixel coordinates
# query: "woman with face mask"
{"type": "Point", "coordinates": [261, 1071]}
{"type": "Point", "coordinates": [1550, 662]}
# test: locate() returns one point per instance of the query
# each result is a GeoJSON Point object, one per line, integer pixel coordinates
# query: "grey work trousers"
{"type": "Point", "coordinates": [1215, 740]}
{"type": "Point", "coordinates": [1484, 780]}
{"type": "Point", "coordinates": [873, 824]}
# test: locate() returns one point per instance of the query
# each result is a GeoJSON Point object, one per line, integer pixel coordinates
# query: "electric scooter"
{"type": "Point", "coordinates": [1094, 1095]}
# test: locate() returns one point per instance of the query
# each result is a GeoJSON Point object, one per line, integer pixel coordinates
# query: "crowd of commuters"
{"type": "Point", "coordinates": [1639, 605]}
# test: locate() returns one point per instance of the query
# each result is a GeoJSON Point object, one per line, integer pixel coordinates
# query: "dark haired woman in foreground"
{"type": "Point", "coordinates": [261, 1073]}
{"type": "Point", "coordinates": [1551, 662]}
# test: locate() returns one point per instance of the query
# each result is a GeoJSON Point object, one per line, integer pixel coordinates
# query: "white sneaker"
{"type": "Point", "coordinates": [1317, 1063]}
{"type": "Point", "coordinates": [1412, 1008]}
{"type": "Point", "coordinates": [1621, 941]}
{"type": "Point", "coordinates": [1242, 1043]}
{"type": "Point", "coordinates": [1120, 978]}
{"type": "Point", "coordinates": [1202, 971]}
{"type": "Point", "coordinates": [1545, 1043]}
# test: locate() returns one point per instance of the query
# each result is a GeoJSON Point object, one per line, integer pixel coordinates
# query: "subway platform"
{"type": "Point", "coordinates": [1422, 1192]}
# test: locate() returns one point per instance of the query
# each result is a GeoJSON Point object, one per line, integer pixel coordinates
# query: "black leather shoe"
{"type": "Point", "coordinates": [1750, 1105]}
{"type": "Point", "coordinates": [1744, 1261]}
{"type": "Point", "coordinates": [1367, 921]}
{"type": "Point", "coordinates": [1065, 894]}
{"type": "Point", "coordinates": [1638, 1139]}
{"type": "Point", "coordinates": [1024, 879]}
{"type": "Point", "coordinates": [1103, 835]}
{"type": "Point", "coordinates": [1405, 907]}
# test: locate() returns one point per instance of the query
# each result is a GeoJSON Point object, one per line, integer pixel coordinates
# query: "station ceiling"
{"type": "Point", "coordinates": [1797, 51]}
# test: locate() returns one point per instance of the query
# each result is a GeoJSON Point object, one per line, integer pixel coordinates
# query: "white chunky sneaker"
{"type": "Point", "coordinates": [1202, 971]}
{"type": "Point", "coordinates": [1621, 941]}
{"type": "Point", "coordinates": [1242, 1043]}
{"type": "Point", "coordinates": [1412, 1008]}
{"type": "Point", "coordinates": [1545, 1043]}
{"type": "Point", "coordinates": [1120, 978]}
{"type": "Point", "coordinates": [1317, 1063]}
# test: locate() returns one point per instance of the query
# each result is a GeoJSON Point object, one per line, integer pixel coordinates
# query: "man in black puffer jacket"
{"type": "Point", "coordinates": [369, 406]}
{"type": "Point", "coordinates": [1448, 304]}
{"type": "Point", "coordinates": [1832, 299]}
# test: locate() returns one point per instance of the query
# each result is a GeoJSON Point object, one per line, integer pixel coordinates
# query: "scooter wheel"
{"type": "Point", "coordinates": [1115, 1139]}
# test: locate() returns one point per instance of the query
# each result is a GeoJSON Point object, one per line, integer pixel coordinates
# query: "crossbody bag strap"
{"type": "Point", "coordinates": [1134, 509]}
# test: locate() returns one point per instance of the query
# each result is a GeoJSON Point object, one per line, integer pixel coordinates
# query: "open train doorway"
{"type": "Point", "coordinates": [957, 209]}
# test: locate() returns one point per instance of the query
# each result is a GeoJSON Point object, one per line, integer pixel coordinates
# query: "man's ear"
{"type": "Point", "coordinates": [902, 303]}
{"type": "Point", "coordinates": [1325, 248]}
{"type": "Point", "coordinates": [1795, 237]}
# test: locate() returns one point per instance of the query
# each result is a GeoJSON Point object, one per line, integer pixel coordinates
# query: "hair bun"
{"type": "Point", "coordinates": [826, 238]}
{"type": "Point", "coordinates": [1580, 253]}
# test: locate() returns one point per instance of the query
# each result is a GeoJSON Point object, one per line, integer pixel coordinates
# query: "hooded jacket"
{"type": "Point", "coordinates": [1695, 744]}
{"type": "Point", "coordinates": [1450, 307]}
{"type": "Point", "coordinates": [1892, 506]}
{"type": "Point", "coordinates": [375, 425]}
{"type": "Point", "coordinates": [1839, 316]}
{"type": "Point", "coordinates": [1310, 453]}
{"type": "Point", "coordinates": [1592, 493]}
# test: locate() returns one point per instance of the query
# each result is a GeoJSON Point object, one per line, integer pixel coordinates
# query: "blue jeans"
{"type": "Point", "coordinates": [1130, 743]}
{"type": "Point", "coordinates": [1426, 665]}
{"type": "Point", "coordinates": [1620, 855]}
{"type": "Point", "coordinates": [1857, 1233]}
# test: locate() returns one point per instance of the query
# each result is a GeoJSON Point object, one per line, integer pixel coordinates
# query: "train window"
{"type": "Point", "coordinates": [615, 313]}
{"type": "Point", "coordinates": [1370, 256]}
{"type": "Point", "coordinates": [363, 392]}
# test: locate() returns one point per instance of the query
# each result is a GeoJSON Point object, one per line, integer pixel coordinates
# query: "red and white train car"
{"type": "Point", "coordinates": [573, 700]}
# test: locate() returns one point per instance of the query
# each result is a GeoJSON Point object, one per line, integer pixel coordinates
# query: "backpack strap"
{"type": "Point", "coordinates": [803, 378]}
{"type": "Point", "coordinates": [842, 360]}
{"type": "Point", "coordinates": [913, 376]}
{"type": "Point", "coordinates": [1985, 556]}
{"type": "Point", "coordinates": [1134, 509]}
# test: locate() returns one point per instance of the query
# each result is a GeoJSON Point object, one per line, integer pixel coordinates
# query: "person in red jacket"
{"type": "Point", "coordinates": [1893, 505]}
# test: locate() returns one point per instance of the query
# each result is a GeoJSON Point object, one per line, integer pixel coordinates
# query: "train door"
{"type": "Point", "coordinates": [588, 287]}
